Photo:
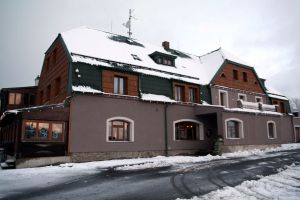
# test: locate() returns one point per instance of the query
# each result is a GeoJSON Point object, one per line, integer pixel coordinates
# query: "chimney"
{"type": "Point", "coordinates": [36, 80]}
{"type": "Point", "coordinates": [166, 45]}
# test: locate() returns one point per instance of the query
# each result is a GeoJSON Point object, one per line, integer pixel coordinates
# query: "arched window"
{"type": "Point", "coordinates": [119, 129]}
{"type": "Point", "coordinates": [271, 126]}
{"type": "Point", "coordinates": [188, 130]}
{"type": "Point", "coordinates": [234, 128]}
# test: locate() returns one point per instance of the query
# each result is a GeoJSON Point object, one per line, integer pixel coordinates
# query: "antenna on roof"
{"type": "Point", "coordinates": [128, 23]}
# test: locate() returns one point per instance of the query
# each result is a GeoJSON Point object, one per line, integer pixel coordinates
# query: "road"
{"type": "Point", "coordinates": [180, 181]}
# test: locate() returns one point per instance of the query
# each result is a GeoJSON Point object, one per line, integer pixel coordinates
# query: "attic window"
{"type": "Point", "coordinates": [223, 75]}
{"type": "Point", "coordinates": [163, 59]}
{"type": "Point", "coordinates": [135, 57]}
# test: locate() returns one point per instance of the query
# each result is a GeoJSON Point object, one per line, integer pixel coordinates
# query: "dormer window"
{"type": "Point", "coordinates": [163, 59]}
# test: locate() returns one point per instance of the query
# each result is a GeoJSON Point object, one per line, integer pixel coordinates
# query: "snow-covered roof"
{"type": "Point", "coordinates": [273, 93]}
{"type": "Point", "coordinates": [94, 47]}
{"type": "Point", "coordinates": [212, 62]}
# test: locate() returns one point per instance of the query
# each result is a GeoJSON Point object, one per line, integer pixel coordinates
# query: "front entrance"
{"type": "Point", "coordinates": [297, 132]}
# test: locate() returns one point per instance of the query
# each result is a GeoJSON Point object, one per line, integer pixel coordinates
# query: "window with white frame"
{"type": "Point", "coordinates": [258, 99]}
{"type": "Point", "coordinates": [242, 97]}
{"type": "Point", "coordinates": [271, 126]}
{"type": "Point", "coordinates": [234, 128]}
{"type": "Point", "coordinates": [119, 129]}
{"type": "Point", "coordinates": [223, 98]}
{"type": "Point", "coordinates": [188, 129]}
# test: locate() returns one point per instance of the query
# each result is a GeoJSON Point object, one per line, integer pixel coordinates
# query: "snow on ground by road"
{"type": "Point", "coordinates": [19, 179]}
{"type": "Point", "coordinates": [284, 185]}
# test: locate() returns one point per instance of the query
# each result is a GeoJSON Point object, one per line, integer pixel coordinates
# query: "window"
{"type": "Point", "coordinates": [14, 98]}
{"type": "Point", "coordinates": [242, 97]}
{"type": "Point", "coordinates": [245, 78]}
{"type": "Point", "coordinates": [43, 131]}
{"type": "Point", "coordinates": [54, 56]}
{"type": "Point", "coordinates": [235, 74]}
{"type": "Point", "coordinates": [258, 99]}
{"type": "Point", "coordinates": [188, 130]}
{"type": "Point", "coordinates": [234, 128]}
{"type": "Point", "coordinates": [48, 92]}
{"type": "Point", "coordinates": [271, 129]}
{"type": "Point", "coordinates": [57, 86]}
{"type": "Point", "coordinates": [119, 129]}
{"type": "Point", "coordinates": [135, 57]}
{"type": "Point", "coordinates": [223, 98]}
{"type": "Point", "coordinates": [119, 85]}
{"type": "Point", "coordinates": [192, 94]}
{"type": "Point", "coordinates": [179, 92]}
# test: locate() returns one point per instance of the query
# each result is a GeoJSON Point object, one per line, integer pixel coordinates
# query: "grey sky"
{"type": "Point", "coordinates": [263, 33]}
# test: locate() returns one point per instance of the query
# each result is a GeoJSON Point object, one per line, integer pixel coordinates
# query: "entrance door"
{"type": "Point", "coordinates": [297, 130]}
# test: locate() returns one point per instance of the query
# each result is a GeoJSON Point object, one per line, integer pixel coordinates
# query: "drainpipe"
{"type": "Point", "coordinates": [166, 130]}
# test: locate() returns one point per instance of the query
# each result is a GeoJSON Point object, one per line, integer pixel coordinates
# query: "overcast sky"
{"type": "Point", "coordinates": [264, 33]}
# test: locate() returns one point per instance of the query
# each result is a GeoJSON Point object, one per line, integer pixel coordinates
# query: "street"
{"type": "Point", "coordinates": [169, 182]}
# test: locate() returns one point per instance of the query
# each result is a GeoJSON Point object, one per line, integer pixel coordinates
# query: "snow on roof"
{"type": "Point", "coordinates": [212, 62]}
{"type": "Point", "coordinates": [91, 43]}
{"type": "Point", "coordinates": [273, 93]}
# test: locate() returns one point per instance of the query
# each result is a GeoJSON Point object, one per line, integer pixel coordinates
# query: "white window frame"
{"type": "Point", "coordinates": [275, 131]}
{"type": "Point", "coordinates": [244, 95]}
{"type": "Point", "coordinates": [261, 99]}
{"type": "Point", "coordinates": [201, 129]}
{"type": "Point", "coordinates": [226, 99]}
{"type": "Point", "coordinates": [241, 128]}
{"type": "Point", "coordinates": [131, 128]}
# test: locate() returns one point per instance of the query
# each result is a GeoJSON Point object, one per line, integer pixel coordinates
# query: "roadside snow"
{"type": "Point", "coordinates": [284, 185]}
{"type": "Point", "coordinates": [12, 181]}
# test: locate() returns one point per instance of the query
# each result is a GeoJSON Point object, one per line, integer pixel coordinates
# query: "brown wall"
{"type": "Point", "coordinates": [108, 82]}
{"type": "Point", "coordinates": [233, 96]}
{"type": "Point", "coordinates": [255, 129]}
{"type": "Point", "coordinates": [88, 125]}
{"type": "Point", "coordinates": [229, 81]}
{"type": "Point", "coordinates": [297, 121]}
{"type": "Point", "coordinates": [281, 105]}
{"type": "Point", "coordinates": [50, 72]}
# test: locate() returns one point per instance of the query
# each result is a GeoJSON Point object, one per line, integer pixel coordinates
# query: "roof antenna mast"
{"type": "Point", "coordinates": [128, 23]}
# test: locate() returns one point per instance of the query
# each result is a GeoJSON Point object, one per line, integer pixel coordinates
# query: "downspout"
{"type": "Point", "coordinates": [166, 130]}
{"type": "Point", "coordinates": [294, 130]}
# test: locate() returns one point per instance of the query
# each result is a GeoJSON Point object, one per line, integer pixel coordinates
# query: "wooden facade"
{"type": "Point", "coordinates": [131, 83]}
{"type": "Point", "coordinates": [53, 84]}
{"type": "Point", "coordinates": [238, 77]}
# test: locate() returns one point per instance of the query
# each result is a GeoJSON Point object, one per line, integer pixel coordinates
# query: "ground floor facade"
{"type": "Point", "coordinates": [99, 127]}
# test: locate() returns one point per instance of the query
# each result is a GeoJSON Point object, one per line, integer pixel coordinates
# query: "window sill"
{"type": "Point", "coordinates": [119, 141]}
{"type": "Point", "coordinates": [234, 138]}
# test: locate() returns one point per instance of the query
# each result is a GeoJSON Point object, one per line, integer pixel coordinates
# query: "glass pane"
{"type": "Point", "coordinates": [114, 134]}
{"type": "Point", "coordinates": [18, 98]}
{"type": "Point", "coordinates": [116, 85]}
{"type": "Point", "coordinates": [11, 99]}
{"type": "Point", "coordinates": [121, 85]}
{"type": "Point", "coordinates": [30, 130]}
{"type": "Point", "coordinates": [271, 130]}
{"type": "Point", "coordinates": [121, 134]}
{"type": "Point", "coordinates": [57, 131]}
{"type": "Point", "coordinates": [43, 130]}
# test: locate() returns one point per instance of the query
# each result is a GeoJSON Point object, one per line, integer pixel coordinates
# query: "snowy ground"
{"type": "Point", "coordinates": [284, 185]}
{"type": "Point", "coordinates": [43, 177]}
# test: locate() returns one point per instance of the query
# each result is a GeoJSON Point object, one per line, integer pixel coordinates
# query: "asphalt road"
{"type": "Point", "coordinates": [180, 181]}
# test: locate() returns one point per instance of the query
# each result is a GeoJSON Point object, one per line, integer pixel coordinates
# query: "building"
{"type": "Point", "coordinates": [103, 96]}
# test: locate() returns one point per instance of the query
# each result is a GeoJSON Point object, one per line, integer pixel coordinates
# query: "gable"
{"type": "Point", "coordinates": [238, 77]}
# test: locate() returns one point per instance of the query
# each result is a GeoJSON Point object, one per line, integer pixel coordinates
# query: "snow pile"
{"type": "Point", "coordinates": [85, 89]}
{"type": "Point", "coordinates": [284, 185]}
{"type": "Point", "coordinates": [155, 97]}
{"type": "Point", "coordinates": [252, 111]}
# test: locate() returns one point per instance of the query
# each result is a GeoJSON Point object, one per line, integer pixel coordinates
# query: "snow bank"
{"type": "Point", "coordinates": [284, 185]}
